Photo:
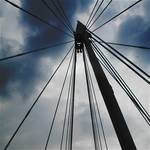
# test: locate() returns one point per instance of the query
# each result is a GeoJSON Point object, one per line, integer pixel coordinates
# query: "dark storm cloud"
{"type": "Point", "coordinates": [22, 74]}
{"type": "Point", "coordinates": [17, 75]}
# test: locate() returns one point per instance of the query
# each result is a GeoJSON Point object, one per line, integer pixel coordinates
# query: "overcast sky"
{"type": "Point", "coordinates": [22, 78]}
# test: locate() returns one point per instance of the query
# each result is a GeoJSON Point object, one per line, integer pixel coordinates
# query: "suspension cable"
{"type": "Point", "coordinates": [95, 12]}
{"type": "Point", "coordinates": [90, 103]}
{"type": "Point", "coordinates": [57, 106]}
{"type": "Point", "coordinates": [72, 103]}
{"type": "Point", "coordinates": [128, 93]}
{"type": "Point", "coordinates": [34, 51]}
{"type": "Point", "coordinates": [115, 72]}
{"type": "Point", "coordinates": [53, 12]}
{"type": "Point", "coordinates": [139, 69]}
{"type": "Point", "coordinates": [99, 114]}
{"type": "Point", "coordinates": [94, 109]}
{"type": "Point", "coordinates": [122, 83]}
{"type": "Point", "coordinates": [117, 15]}
{"type": "Point", "coordinates": [38, 18]}
{"type": "Point", "coordinates": [105, 8]}
{"type": "Point", "coordinates": [38, 97]}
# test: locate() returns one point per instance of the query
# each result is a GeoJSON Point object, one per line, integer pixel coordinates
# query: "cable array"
{"type": "Point", "coordinates": [93, 15]}
{"type": "Point", "coordinates": [56, 109]}
{"type": "Point", "coordinates": [117, 15]}
{"type": "Point", "coordinates": [96, 19]}
{"type": "Point", "coordinates": [95, 115]}
{"type": "Point", "coordinates": [123, 59]}
{"type": "Point", "coordinates": [109, 67]}
{"type": "Point", "coordinates": [92, 112]}
{"type": "Point", "coordinates": [95, 108]}
{"type": "Point", "coordinates": [35, 102]}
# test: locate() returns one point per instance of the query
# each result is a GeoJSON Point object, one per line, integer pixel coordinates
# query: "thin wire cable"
{"type": "Point", "coordinates": [34, 51]}
{"type": "Point", "coordinates": [29, 111]}
{"type": "Point", "coordinates": [57, 106]}
{"type": "Point", "coordinates": [92, 12]}
{"type": "Point", "coordinates": [65, 15]}
{"type": "Point", "coordinates": [125, 62]}
{"type": "Point", "coordinates": [66, 109]}
{"type": "Point", "coordinates": [122, 83]}
{"type": "Point", "coordinates": [90, 104]}
{"type": "Point", "coordinates": [117, 15]}
{"type": "Point", "coordinates": [95, 12]}
{"type": "Point", "coordinates": [38, 18]}
{"type": "Point", "coordinates": [99, 114]}
{"type": "Point", "coordinates": [130, 96]}
{"type": "Point", "coordinates": [53, 12]}
{"type": "Point", "coordinates": [72, 105]}
{"type": "Point", "coordinates": [128, 91]}
{"type": "Point", "coordinates": [94, 109]}
{"type": "Point", "coordinates": [100, 14]}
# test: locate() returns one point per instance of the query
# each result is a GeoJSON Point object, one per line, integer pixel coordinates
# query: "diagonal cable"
{"type": "Point", "coordinates": [69, 111]}
{"type": "Point", "coordinates": [90, 103]}
{"type": "Point", "coordinates": [117, 15]}
{"type": "Point", "coordinates": [127, 92]}
{"type": "Point", "coordinates": [66, 109]}
{"type": "Point", "coordinates": [38, 18]}
{"type": "Point", "coordinates": [100, 14]}
{"type": "Point", "coordinates": [93, 103]}
{"type": "Point", "coordinates": [34, 51]}
{"type": "Point", "coordinates": [99, 114]}
{"type": "Point", "coordinates": [36, 100]}
{"type": "Point", "coordinates": [72, 103]}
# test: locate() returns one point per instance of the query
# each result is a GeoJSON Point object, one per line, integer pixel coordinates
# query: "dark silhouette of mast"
{"type": "Point", "coordinates": [120, 126]}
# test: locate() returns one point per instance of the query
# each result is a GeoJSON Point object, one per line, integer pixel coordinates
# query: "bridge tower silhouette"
{"type": "Point", "coordinates": [88, 44]}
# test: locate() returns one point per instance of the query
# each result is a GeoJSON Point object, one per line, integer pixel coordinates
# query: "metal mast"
{"type": "Point", "coordinates": [82, 36]}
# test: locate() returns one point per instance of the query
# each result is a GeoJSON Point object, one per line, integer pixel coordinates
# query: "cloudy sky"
{"type": "Point", "coordinates": [22, 78]}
